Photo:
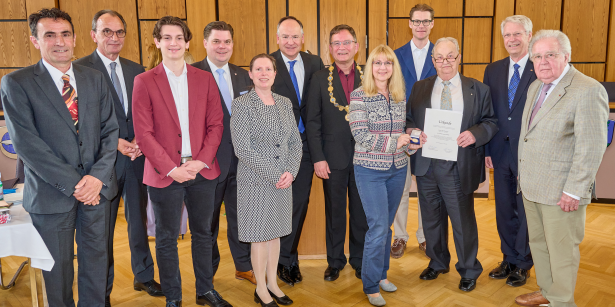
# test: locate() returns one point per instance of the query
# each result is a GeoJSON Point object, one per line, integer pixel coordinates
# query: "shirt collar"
{"type": "Point", "coordinates": [106, 60]}
{"type": "Point", "coordinates": [214, 67]}
{"type": "Point", "coordinates": [521, 62]}
{"type": "Point", "coordinates": [339, 70]}
{"type": "Point", "coordinates": [56, 74]}
{"type": "Point", "coordinates": [556, 81]}
{"type": "Point", "coordinates": [286, 60]}
{"type": "Point", "coordinates": [455, 81]}
{"type": "Point", "coordinates": [415, 48]}
{"type": "Point", "coordinates": [170, 73]}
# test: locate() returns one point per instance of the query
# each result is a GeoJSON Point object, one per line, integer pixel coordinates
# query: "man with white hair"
{"type": "Point", "coordinates": [509, 80]}
{"type": "Point", "coordinates": [446, 188]}
{"type": "Point", "coordinates": [564, 133]}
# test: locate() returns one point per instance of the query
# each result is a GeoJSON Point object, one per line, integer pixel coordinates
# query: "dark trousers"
{"type": "Point", "coordinates": [440, 198]}
{"type": "Point", "coordinates": [134, 193]}
{"type": "Point", "coordinates": [198, 194]}
{"type": "Point", "coordinates": [302, 187]}
{"type": "Point", "coordinates": [341, 183]}
{"type": "Point", "coordinates": [510, 214]}
{"type": "Point", "coordinates": [226, 191]}
{"type": "Point", "coordinates": [86, 225]}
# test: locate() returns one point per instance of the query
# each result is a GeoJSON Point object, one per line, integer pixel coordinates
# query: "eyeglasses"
{"type": "Point", "coordinates": [109, 33]}
{"type": "Point", "coordinates": [386, 63]}
{"type": "Point", "coordinates": [337, 44]}
{"type": "Point", "coordinates": [425, 22]}
{"type": "Point", "coordinates": [449, 59]}
{"type": "Point", "coordinates": [288, 37]}
{"type": "Point", "coordinates": [515, 35]}
{"type": "Point", "coordinates": [548, 56]}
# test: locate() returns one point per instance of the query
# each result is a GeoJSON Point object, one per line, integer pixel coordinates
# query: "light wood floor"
{"type": "Point", "coordinates": [594, 285]}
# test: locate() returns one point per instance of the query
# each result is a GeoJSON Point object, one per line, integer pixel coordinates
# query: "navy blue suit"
{"type": "Point", "coordinates": [404, 55]}
{"type": "Point", "coordinates": [510, 213]}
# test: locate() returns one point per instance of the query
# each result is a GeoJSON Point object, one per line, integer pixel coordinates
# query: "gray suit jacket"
{"type": "Point", "coordinates": [563, 148]}
{"type": "Point", "coordinates": [56, 157]}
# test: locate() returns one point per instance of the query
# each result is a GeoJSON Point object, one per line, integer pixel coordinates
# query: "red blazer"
{"type": "Point", "coordinates": [157, 129]}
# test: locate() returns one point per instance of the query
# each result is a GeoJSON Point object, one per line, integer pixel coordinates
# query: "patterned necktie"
{"type": "Point", "coordinates": [541, 99]}
{"type": "Point", "coordinates": [293, 77]}
{"type": "Point", "coordinates": [512, 87]}
{"type": "Point", "coordinates": [446, 101]}
{"type": "Point", "coordinates": [117, 85]}
{"type": "Point", "coordinates": [223, 86]}
{"type": "Point", "coordinates": [70, 98]}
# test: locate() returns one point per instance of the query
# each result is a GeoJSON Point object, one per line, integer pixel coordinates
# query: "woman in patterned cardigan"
{"type": "Point", "coordinates": [377, 122]}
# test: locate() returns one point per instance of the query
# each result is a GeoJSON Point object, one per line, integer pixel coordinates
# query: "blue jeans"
{"type": "Point", "coordinates": [380, 193]}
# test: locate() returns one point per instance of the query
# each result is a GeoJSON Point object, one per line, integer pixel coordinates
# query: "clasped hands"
{"type": "Point", "coordinates": [187, 171]}
{"type": "Point", "coordinates": [129, 149]}
{"type": "Point", "coordinates": [88, 189]}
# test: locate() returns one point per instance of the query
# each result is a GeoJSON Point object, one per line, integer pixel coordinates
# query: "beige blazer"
{"type": "Point", "coordinates": [563, 148]}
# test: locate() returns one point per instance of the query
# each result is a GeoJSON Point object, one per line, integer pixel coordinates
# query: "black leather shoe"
{"type": "Point", "coordinates": [502, 271]}
{"type": "Point", "coordinates": [295, 273]}
{"type": "Point", "coordinates": [467, 284]}
{"type": "Point", "coordinates": [284, 275]}
{"type": "Point", "coordinates": [151, 287]}
{"type": "Point", "coordinates": [518, 277]}
{"type": "Point", "coordinates": [284, 300]}
{"type": "Point", "coordinates": [331, 273]}
{"type": "Point", "coordinates": [213, 299]}
{"type": "Point", "coordinates": [357, 272]}
{"type": "Point", "coordinates": [107, 301]}
{"type": "Point", "coordinates": [431, 274]}
{"type": "Point", "coordinates": [258, 300]}
{"type": "Point", "coordinates": [174, 304]}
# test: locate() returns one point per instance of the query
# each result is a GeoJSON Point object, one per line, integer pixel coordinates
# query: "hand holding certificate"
{"type": "Point", "coordinates": [442, 127]}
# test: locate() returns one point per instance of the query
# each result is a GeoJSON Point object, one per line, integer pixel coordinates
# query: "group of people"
{"type": "Point", "coordinates": [209, 133]}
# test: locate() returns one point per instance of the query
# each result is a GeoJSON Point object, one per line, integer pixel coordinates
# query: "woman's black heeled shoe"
{"type": "Point", "coordinates": [258, 300]}
{"type": "Point", "coordinates": [284, 300]}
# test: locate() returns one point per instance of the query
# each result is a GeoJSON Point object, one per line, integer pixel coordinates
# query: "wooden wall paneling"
{"type": "Point", "coordinates": [13, 9]}
{"type": "Point", "coordinates": [479, 7]}
{"type": "Point", "coordinates": [545, 14]}
{"type": "Point", "coordinates": [31, 7]}
{"type": "Point", "coordinates": [335, 12]}
{"type": "Point", "coordinates": [400, 33]}
{"type": "Point", "coordinates": [307, 12]}
{"type": "Point", "coordinates": [610, 59]}
{"type": "Point", "coordinates": [377, 25]}
{"type": "Point", "coordinates": [154, 9]}
{"type": "Point", "coordinates": [248, 20]}
{"type": "Point", "coordinates": [14, 44]}
{"type": "Point", "coordinates": [276, 10]}
{"type": "Point", "coordinates": [146, 39]}
{"type": "Point", "coordinates": [579, 16]}
{"type": "Point", "coordinates": [82, 12]}
{"type": "Point", "coordinates": [503, 9]}
{"type": "Point", "coordinates": [474, 71]}
{"type": "Point", "coordinates": [595, 71]}
{"type": "Point", "coordinates": [476, 42]}
{"type": "Point", "coordinates": [199, 14]}
{"type": "Point", "coordinates": [442, 8]}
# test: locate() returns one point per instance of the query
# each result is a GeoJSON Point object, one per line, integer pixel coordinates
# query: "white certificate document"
{"type": "Point", "coordinates": [442, 129]}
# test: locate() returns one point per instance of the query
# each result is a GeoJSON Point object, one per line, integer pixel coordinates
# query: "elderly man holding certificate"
{"type": "Point", "coordinates": [456, 114]}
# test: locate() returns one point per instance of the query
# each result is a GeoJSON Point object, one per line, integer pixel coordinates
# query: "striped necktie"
{"type": "Point", "coordinates": [70, 98]}
{"type": "Point", "coordinates": [512, 88]}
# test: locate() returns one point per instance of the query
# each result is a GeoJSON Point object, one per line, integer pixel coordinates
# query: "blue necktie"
{"type": "Point", "coordinates": [296, 85]}
{"type": "Point", "coordinates": [116, 84]}
{"type": "Point", "coordinates": [512, 88]}
{"type": "Point", "coordinates": [223, 86]}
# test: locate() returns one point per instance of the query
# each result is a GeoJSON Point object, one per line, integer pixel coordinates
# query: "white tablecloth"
{"type": "Point", "coordinates": [20, 238]}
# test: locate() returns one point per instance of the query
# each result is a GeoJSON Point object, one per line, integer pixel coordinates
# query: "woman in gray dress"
{"type": "Point", "coordinates": [268, 145]}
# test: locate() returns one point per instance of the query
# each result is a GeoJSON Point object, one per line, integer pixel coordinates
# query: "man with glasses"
{"type": "Point", "coordinates": [509, 80]}
{"type": "Point", "coordinates": [563, 131]}
{"type": "Point", "coordinates": [332, 148]}
{"type": "Point", "coordinates": [415, 65]}
{"type": "Point", "coordinates": [295, 69]}
{"type": "Point", "coordinates": [446, 188]}
{"type": "Point", "coordinates": [108, 32]}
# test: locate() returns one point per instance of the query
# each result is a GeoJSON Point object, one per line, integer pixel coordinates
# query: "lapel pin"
{"type": "Point", "coordinates": [235, 74]}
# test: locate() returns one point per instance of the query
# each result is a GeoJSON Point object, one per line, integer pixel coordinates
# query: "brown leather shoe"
{"type": "Point", "coordinates": [423, 248]}
{"type": "Point", "coordinates": [249, 276]}
{"type": "Point", "coordinates": [398, 248]}
{"type": "Point", "coordinates": [532, 299]}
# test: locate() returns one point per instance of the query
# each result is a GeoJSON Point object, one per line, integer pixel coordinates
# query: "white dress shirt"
{"type": "Point", "coordinates": [56, 76]}
{"type": "Point", "coordinates": [299, 70]}
{"type": "Point", "coordinates": [179, 87]}
{"type": "Point", "coordinates": [120, 75]}
{"type": "Point", "coordinates": [227, 76]}
{"type": "Point", "coordinates": [511, 67]}
{"type": "Point", "coordinates": [419, 56]}
{"type": "Point", "coordinates": [456, 93]}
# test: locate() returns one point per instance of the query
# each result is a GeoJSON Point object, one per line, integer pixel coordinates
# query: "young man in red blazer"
{"type": "Point", "coordinates": [178, 126]}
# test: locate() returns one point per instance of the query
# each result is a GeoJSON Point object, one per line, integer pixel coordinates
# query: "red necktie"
{"type": "Point", "coordinates": [70, 98]}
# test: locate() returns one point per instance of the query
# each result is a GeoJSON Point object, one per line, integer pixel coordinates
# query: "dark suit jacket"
{"type": "Point", "coordinates": [130, 70]}
{"type": "Point", "coordinates": [241, 83]}
{"type": "Point", "coordinates": [283, 85]}
{"type": "Point", "coordinates": [55, 156]}
{"type": "Point", "coordinates": [509, 120]}
{"type": "Point", "coordinates": [157, 127]}
{"type": "Point", "coordinates": [478, 118]}
{"type": "Point", "coordinates": [406, 61]}
{"type": "Point", "coordinates": [328, 133]}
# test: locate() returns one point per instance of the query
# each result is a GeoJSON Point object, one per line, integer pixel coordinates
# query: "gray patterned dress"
{"type": "Point", "coordinates": [267, 144]}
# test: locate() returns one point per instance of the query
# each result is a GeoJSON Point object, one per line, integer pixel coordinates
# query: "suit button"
{"type": "Point", "coordinates": [509, 118]}
{"type": "Point", "coordinates": [128, 120]}
{"type": "Point", "coordinates": [277, 157]}
{"type": "Point", "coordinates": [180, 135]}
{"type": "Point", "coordinates": [80, 143]}
{"type": "Point", "coordinates": [80, 166]}
{"type": "Point", "coordinates": [277, 145]}
{"type": "Point", "coordinates": [179, 152]}
{"type": "Point", "coordinates": [525, 140]}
